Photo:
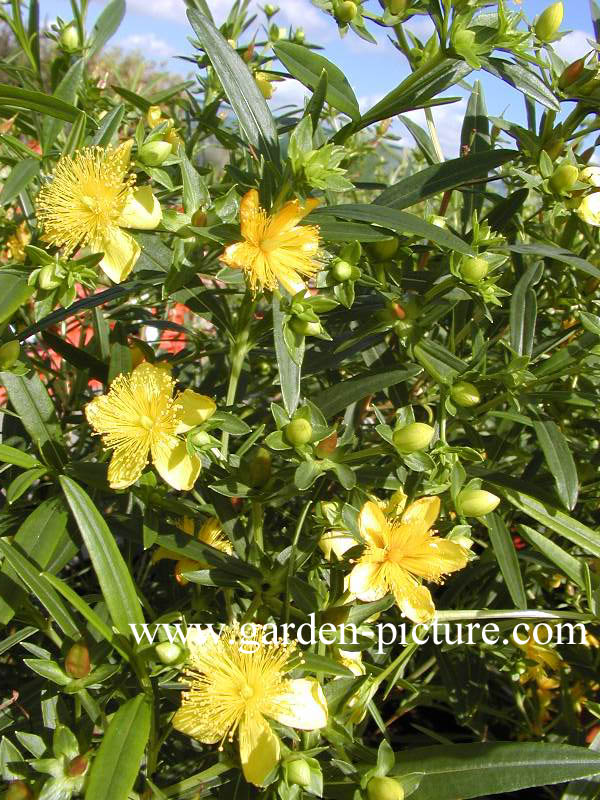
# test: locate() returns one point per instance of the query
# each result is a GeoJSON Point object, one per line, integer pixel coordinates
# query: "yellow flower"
{"type": "Point", "coordinates": [236, 684]}
{"type": "Point", "coordinates": [15, 244]}
{"type": "Point", "coordinates": [400, 550]}
{"type": "Point", "coordinates": [589, 209]}
{"type": "Point", "coordinates": [140, 415]}
{"type": "Point", "coordinates": [337, 542]}
{"type": "Point", "coordinates": [543, 658]}
{"type": "Point", "coordinates": [275, 249]}
{"type": "Point", "coordinates": [89, 201]}
{"type": "Point", "coordinates": [210, 533]}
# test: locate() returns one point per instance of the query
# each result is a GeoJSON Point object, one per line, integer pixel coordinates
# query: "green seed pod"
{"type": "Point", "coordinates": [168, 652]}
{"type": "Point", "coordinates": [385, 249]}
{"type": "Point", "coordinates": [384, 789]}
{"type": "Point", "coordinates": [476, 502]}
{"type": "Point", "coordinates": [199, 218]}
{"type": "Point", "coordinates": [153, 154]}
{"type": "Point", "coordinates": [473, 269]}
{"type": "Point", "coordinates": [465, 394]}
{"type": "Point", "coordinates": [9, 353]}
{"type": "Point", "coordinates": [270, 10]}
{"type": "Point", "coordinates": [571, 73]}
{"type": "Point", "coordinates": [199, 438]}
{"type": "Point", "coordinates": [255, 470]}
{"type": "Point", "coordinates": [549, 22]}
{"type": "Point", "coordinates": [298, 431]}
{"type": "Point", "coordinates": [413, 437]}
{"type": "Point", "coordinates": [327, 446]}
{"type": "Point", "coordinates": [77, 662]}
{"type": "Point", "coordinates": [396, 6]}
{"type": "Point", "coordinates": [48, 279]}
{"type": "Point", "coordinates": [305, 328]}
{"type": "Point", "coordinates": [299, 35]}
{"type": "Point", "coordinates": [345, 12]}
{"type": "Point", "coordinates": [298, 772]}
{"type": "Point", "coordinates": [69, 38]}
{"type": "Point", "coordinates": [342, 271]}
{"type": "Point", "coordinates": [18, 790]}
{"type": "Point", "coordinates": [564, 178]}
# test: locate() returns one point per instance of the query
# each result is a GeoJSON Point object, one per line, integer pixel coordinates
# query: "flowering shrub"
{"type": "Point", "coordinates": [299, 433]}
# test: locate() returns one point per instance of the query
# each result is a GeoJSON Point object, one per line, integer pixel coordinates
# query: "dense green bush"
{"type": "Point", "coordinates": [275, 370]}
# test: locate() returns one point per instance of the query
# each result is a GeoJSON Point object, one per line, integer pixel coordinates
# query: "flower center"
{"type": "Point", "coordinates": [146, 422]}
{"type": "Point", "coordinates": [247, 692]}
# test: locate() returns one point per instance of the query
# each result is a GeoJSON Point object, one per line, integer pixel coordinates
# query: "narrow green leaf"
{"type": "Point", "coordinates": [195, 191]}
{"type": "Point", "coordinates": [439, 362]}
{"type": "Point", "coordinates": [307, 66]}
{"type": "Point", "coordinates": [289, 371]}
{"type": "Point", "coordinates": [335, 399]}
{"type": "Point", "coordinates": [22, 482]}
{"type": "Point", "coordinates": [27, 100]}
{"type": "Point", "coordinates": [106, 25]}
{"type": "Point", "coordinates": [39, 586]}
{"type": "Point", "coordinates": [557, 254]}
{"type": "Point", "coordinates": [507, 558]}
{"type": "Point", "coordinates": [443, 177]}
{"type": "Point", "coordinates": [109, 126]}
{"type": "Point", "coordinates": [572, 567]}
{"type": "Point", "coordinates": [481, 769]}
{"type": "Point", "coordinates": [117, 762]}
{"type": "Point", "coordinates": [19, 179]}
{"type": "Point", "coordinates": [523, 311]}
{"type": "Point", "coordinates": [559, 460]}
{"type": "Point", "coordinates": [255, 119]}
{"type": "Point", "coordinates": [112, 571]}
{"type": "Point", "coordinates": [11, 455]}
{"type": "Point", "coordinates": [67, 91]}
{"type": "Point", "coordinates": [522, 79]}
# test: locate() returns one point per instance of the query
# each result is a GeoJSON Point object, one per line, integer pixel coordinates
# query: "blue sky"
{"type": "Point", "coordinates": [159, 28]}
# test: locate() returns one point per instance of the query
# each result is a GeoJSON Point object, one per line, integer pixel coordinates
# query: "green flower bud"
{"type": "Point", "coordinates": [465, 394]}
{"type": "Point", "coordinates": [264, 85]}
{"type": "Point", "coordinates": [549, 22]}
{"type": "Point", "coordinates": [168, 652]}
{"type": "Point", "coordinates": [69, 38]}
{"type": "Point", "coordinates": [18, 790]}
{"type": "Point", "coordinates": [554, 147]}
{"type": "Point", "coordinates": [396, 6]}
{"type": "Point", "coordinates": [327, 446]}
{"type": "Point", "coordinates": [298, 431]}
{"type": "Point", "coordinates": [413, 437]}
{"type": "Point", "coordinates": [476, 502]}
{"type": "Point", "coordinates": [298, 772]}
{"type": "Point", "coordinates": [77, 766]}
{"type": "Point", "coordinates": [305, 328]}
{"type": "Point", "coordinates": [270, 10]}
{"type": "Point", "coordinates": [345, 12]}
{"type": "Point", "coordinates": [154, 153]}
{"type": "Point", "coordinates": [473, 269]}
{"type": "Point", "coordinates": [571, 73]}
{"type": "Point", "coordinates": [48, 279]}
{"type": "Point", "coordinates": [199, 218]}
{"type": "Point", "coordinates": [384, 789]}
{"type": "Point", "coordinates": [255, 470]}
{"type": "Point", "coordinates": [299, 35]}
{"type": "Point", "coordinates": [199, 438]}
{"type": "Point", "coordinates": [385, 249]}
{"type": "Point", "coordinates": [154, 116]}
{"type": "Point", "coordinates": [77, 662]}
{"type": "Point", "coordinates": [9, 353]}
{"type": "Point", "coordinates": [342, 271]}
{"type": "Point", "coordinates": [564, 178]}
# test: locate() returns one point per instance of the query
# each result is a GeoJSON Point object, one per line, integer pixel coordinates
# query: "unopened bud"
{"type": "Point", "coordinates": [476, 502]}
{"type": "Point", "coordinates": [168, 652]}
{"type": "Point", "coordinates": [555, 147]}
{"type": "Point", "coordinates": [270, 10]}
{"type": "Point", "coordinates": [48, 278]}
{"type": "Point", "coordinates": [154, 116]}
{"type": "Point", "coordinates": [305, 328]}
{"type": "Point", "coordinates": [298, 431]}
{"type": "Point", "coordinates": [299, 35]}
{"type": "Point", "coordinates": [384, 789]}
{"type": "Point", "coordinates": [473, 269]}
{"type": "Point", "coordinates": [18, 790]}
{"type": "Point", "coordinates": [465, 394]}
{"type": "Point", "coordinates": [199, 438]}
{"type": "Point", "coordinates": [298, 772]}
{"type": "Point", "coordinates": [69, 38]}
{"type": "Point", "coordinates": [137, 355]}
{"type": "Point", "coordinates": [77, 766]}
{"type": "Point", "coordinates": [549, 22]}
{"type": "Point", "coordinates": [184, 565]}
{"type": "Point", "coordinates": [154, 153]}
{"type": "Point", "coordinates": [266, 89]}
{"type": "Point", "coordinates": [413, 437]}
{"type": "Point", "coordinates": [9, 353]}
{"type": "Point", "coordinates": [77, 662]}
{"type": "Point", "coordinates": [199, 218]}
{"type": "Point", "coordinates": [564, 178]}
{"type": "Point", "coordinates": [345, 12]}
{"type": "Point", "coordinates": [396, 6]}
{"type": "Point", "coordinates": [327, 446]}
{"type": "Point", "coordinates": [342, 271]}
{"type": "Point", "coordinates": [385, 249]}
{"type": "Point", "coordinates": [571, 73]}
{"type": "Point", "coordinates": [336, 542]}
{"type": "Point", "coordinates": [256, 468]}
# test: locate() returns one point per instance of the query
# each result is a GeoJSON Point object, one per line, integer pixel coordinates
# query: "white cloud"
{"type": "Point", "coordinates": [149, 44]}
{"type": "Point", "coordinates": [288, 93]}
{"type": "Point", "coordinates": [165, 9]}
{"type": "Point", "coordinates": [573, 46]}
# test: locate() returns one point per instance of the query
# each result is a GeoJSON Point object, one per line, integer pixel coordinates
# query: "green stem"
{"type": "Point", "coordinates": [239, 350]}
{"type": "Point", "coordinates": [404, 656]}
{"type": "Point", "coordinates": [292, 560]}
{"type": "Point", "coordinates": [256, 528]}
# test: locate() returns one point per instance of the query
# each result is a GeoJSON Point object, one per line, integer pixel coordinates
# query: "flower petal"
{"type": "Point", "coordinates": [197, 408]}
{"type": "Point", "coordinates": [303, 705]}
{"type": "Point", "coordinates": [290, 215]}
{"type": "Point", "coordinates": [121, 251]}
{"type": "Point", "coordinates": [436, 557]}
{"type": "Point", "coordinates": [174, 465]}
{"type": "Point", "coordinates": [142, 210]}
{"type": "Point", "coordinates": [260, 750]}
{"type": "Point", "coordinates": [422, 513]}
{"type": "Point", "coordinates": [413, 599]}
{"type": "Point", "coordinates": [373, 526]}
{"type": "Point", "coordinates": [249, 212]}
{"type": "Point", "coordinates": [589, 210]}
{"type": "Point", "coordinates": [290, 280]}
{"type": "Point", "coordinates": [366, 581]}
{"type": "Point", "coordinates": [127, 464]}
